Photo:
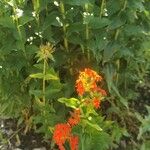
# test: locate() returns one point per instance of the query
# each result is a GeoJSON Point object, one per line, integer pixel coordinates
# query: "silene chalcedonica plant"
{"type": "Point", "coordinates": [90, 97]}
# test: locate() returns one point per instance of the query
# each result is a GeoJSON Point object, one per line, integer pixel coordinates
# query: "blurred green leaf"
{"type": "Point", "coordinates": [70, 102]}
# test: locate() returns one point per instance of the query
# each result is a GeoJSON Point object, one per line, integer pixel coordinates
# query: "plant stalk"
{"type": "Point", "coordinates": [44, 73]}
{"type": "Point", "coordinates": [87, 33]}
{"type": "Point", "coordinates": [101, 8]}
{"type": "Point", "coordinates": [19, 32]}
{"type": "Point", "coordinates": [62, 9]}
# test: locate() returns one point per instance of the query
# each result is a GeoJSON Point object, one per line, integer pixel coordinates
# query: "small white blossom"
{"type": "Point", "coordinates": [56, 3]}
{"type": "Point", "coordinates": [105, 9]}
{"type": "Point", "coordinates": [19, 12]}
{"type": "Point", "coordinates": [86, 14]}
{"type": "Point", "coordinates": [36, 33]}
{"type": "Point", "coordinates": [31, 38]}
{"type": "Point", "coordinates": [58, 19]}
{"type": "Point", "coordinates": [1, 67]}
{"type": "Point", "coordinates": [39, 34]}
{"type": "Point", "coordinates": [34, 14]}
{"type": "Point", "coordinates": [106, 14]}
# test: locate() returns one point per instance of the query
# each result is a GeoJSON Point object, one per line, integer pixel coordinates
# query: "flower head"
{"type": "Point", "coordinates": [75, 118]}
{"type": "Point", "coordinates": [96, 103]}
{"type": "Point", "coordinates": [87, 81]}
{"type": "Point", "coordinates": [74, 140]}
{"type": "Point", "coordinates": [79, 87]}
{"type": "Point", "coordinates": [62, 133]}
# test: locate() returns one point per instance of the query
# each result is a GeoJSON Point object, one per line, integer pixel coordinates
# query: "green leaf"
{"type": "Point", "coordinates": [7, 22]}
{"type": "Point", "coordinates": [116, 23]}
{"type": "Point", "coordinates": [113, 6]}
{"type": "Point", "coordinates": [93, 125]}
{"type": "Point", "coordinates": [76, 2]}
{"type": "Point", "coordinates": [100, 140]}
{"type": "Point", "coordinates": [25, 19]}
{"type": "Point", "coordinates": [96, 22]}
{"type": "Point", "coordinates": [37, 93]}
{"type": "Point", "coordinates": [71, 102]}
{"type": "Point", "coordinates": [41, 76]}
{"type": "Point", "coordinates": [37, 75]}
{"type": "Point", "coordinates": [51, 20]}
{"type": "Point", "coordinates": [50, 77]}
{"type": "Point", "coordinates": [133, 30]}
{"type": "Point", "coordinates": [109, 72]}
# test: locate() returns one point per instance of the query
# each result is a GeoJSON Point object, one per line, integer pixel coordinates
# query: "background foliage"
{"type": "Point", "coordinates": [113, 37]}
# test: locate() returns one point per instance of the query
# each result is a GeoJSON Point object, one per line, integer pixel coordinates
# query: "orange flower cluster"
{"type": "Point", "coordinates": [62, 132]}
{"type": "Point", "coordinates": [96, 103]}
{"type": "Point", "coordinates": [75, 118]}
{"type": "Point", "coordinates": [87, 83]}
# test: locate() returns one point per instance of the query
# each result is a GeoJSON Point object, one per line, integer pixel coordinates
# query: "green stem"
{"type": "Point", "coordinates": [19, 32]}
{"type": "Point", "coordinates": [62, 9]}
{"type": "Point", "coordinates": [101, 8]}
{"type": "Point", "coordinates": [117, 74]}
{"type": "Point", "coordinates": [116, 34]}
{"type": "Point", "coordinates": [82, 140]}
{"type": "Point", "coordinates": [44, 73]}
{"type": "Point", "coordinates": [82, 48]}
{"type": "Point", "coordinates": [123, 8]}
{"type": "Point", "coordinates": [87, 33]}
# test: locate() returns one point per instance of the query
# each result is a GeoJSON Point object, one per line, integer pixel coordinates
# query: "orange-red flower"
{"type": "Point", "coordinates": [75, 118]}
{"type": "Point", "coordinates": [96, 103]}
{"type": "Point", "coordinates": [79, 87]}
{"type": "Point", "coordinates": [92, 74]}
{"type": "Point", "coordinates": [62, 132]}
{"type": "Point", "coordinates": [87, 81]}
{"type": "Point", "coordinates": [102, 92]}
{"type": "Point", "coordinates": [74, 140]}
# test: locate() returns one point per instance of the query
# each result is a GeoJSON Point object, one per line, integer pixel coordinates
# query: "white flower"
{"type": "Point", "coordinates": [34, 14]}
{"type": "Point", "coordinates": [105, 9]}
{"type": "Point", "coordinates": [31, 38]}
{"type": "Point", "coordinates": [58, 19]}
{"type": "Point", "coordinates": [85, 14]}
{"type": "Point", "coordinates": [56, 3]}
{"type": "Point", "coordinates": [39, 34]}
{"type": "Point", "coordinates": [106, 14]}
{"type": "Point", "coordinates": [19, 12]}
{"type": "Point", "coordinates": [1, 67]}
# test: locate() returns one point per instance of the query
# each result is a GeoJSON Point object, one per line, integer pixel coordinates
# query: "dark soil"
{"type": "Point", "coordinates": [19, 140]}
